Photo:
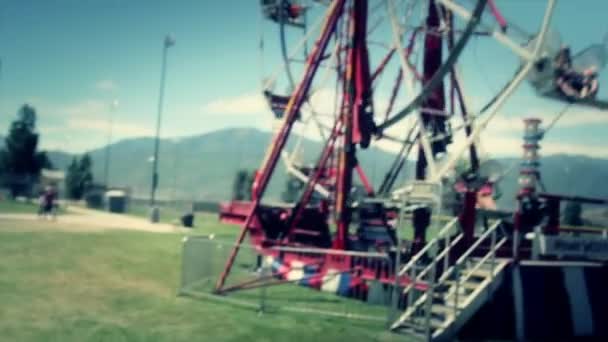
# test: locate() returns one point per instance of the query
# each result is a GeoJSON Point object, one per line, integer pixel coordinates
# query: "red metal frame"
{"type": "Point", "coordinates": [497, 15]}
{"type": "Point", "coordinates": [319, 172]}
{"type": "Point", "coordinates": [293, 107]}
{"type": "Point", "coordinates": [433, 59]}
{"type": "Point", "coordinates": [365, 181]}
{"type": "Point", "coordinates": [352, 127]}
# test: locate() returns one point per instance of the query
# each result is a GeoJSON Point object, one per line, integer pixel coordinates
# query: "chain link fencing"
{"type": "Point", "coordinates": [298, 280]}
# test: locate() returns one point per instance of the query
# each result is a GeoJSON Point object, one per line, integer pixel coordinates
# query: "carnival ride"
{"type": "Point", "coordinates": [416, 47]}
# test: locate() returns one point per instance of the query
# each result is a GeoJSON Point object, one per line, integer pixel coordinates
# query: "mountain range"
{"type": "Point", "coordinates": [203, 167]}
{"type": "Point", "coordinates": [199, 167]}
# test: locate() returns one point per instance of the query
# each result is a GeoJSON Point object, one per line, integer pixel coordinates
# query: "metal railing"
{"type": "Point", "coordinates": [453, 271]}
{"type": "Point", "coordinates": [460, 263]}
{"type": "Point", "coordinates": [291, 279]}
{"type": "Point", "coordinates": [443, 235]}
{"type": "Point", "coordinates": [494, 246]}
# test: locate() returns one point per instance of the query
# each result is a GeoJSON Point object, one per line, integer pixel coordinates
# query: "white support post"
{"type": "Point", "coordinates": [410, 297]}
{"type": "Point", "coordinates": [457, 294]}
{"type": "Point", "coordinates": [429, 301]}
{"type": "Point", "coordinates": [446, 260]}
{"type": "Point", "coordinates": [396, 298]}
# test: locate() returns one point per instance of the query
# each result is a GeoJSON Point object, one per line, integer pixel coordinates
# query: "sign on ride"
{"type": "Point", "coordinates": [573, 246]}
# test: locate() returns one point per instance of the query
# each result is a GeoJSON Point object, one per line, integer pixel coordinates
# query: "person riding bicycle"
{"type": "Point", "coordinates": [47, 200]}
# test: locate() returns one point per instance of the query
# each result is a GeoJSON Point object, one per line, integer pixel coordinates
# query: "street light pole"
{"type": "Point", "coordinates": [106, 170]}
{"type": "Point", "coordinates": [169, 41]}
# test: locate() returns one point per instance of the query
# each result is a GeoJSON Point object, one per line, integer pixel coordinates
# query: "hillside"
{"type": "Point", "coordinates": [198, 167]}
{"type": "Point", "coordinates": [203, 166]}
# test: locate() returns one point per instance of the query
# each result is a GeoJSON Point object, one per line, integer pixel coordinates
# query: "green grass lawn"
{"type": "Point", "coordinates": [9, 206]}
{"type": "Point", "coordinates": [122, 285]}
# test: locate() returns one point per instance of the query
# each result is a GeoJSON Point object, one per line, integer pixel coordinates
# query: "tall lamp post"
{"type": "Point", "coordinates": [106, 168]}
{"type": "Point", "coordinates": [154, 213]}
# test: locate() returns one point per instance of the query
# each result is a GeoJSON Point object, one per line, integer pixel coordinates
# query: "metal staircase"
{"type": "Point", "coordinates": [451, 299]}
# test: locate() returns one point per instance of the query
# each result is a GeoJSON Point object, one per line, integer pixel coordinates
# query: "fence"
{"type": "Point", "coordinates": [296, 280]}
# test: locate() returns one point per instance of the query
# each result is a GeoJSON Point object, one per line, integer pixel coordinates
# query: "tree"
{"type": "Point", "coordinates": [241, 189]}
{"type": "Point", "coordinates": [85, 170]}
{"type": "Point", "coordinates": [79, 177]}
{"type": "Point", "coordinates": [3, 170]}
{"type": "Point", "coordinates": [20, 161]}
{"type": "Point", "coordinates": [573, 214]}
{"type": "Point", "coordinates": [71, 180]}
{"type": "Point", "coordinates": [249, 184]}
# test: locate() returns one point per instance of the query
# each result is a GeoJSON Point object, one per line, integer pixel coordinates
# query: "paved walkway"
{"type": "Point", "coordinates": [77, 217]}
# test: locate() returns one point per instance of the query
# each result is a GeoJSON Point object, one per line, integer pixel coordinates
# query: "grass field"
{"type": "Point", "coordinates": [121, 286]}
{"type": "Point", "coordinates": [8, 206]}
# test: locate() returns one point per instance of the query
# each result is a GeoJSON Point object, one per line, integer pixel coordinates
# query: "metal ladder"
{"type": "Point", "coordinates": [439, 312]}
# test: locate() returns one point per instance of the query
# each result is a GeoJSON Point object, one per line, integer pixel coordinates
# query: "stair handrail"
{"type": "Point", "coordinates": [492, 254]}
{"type": "Point", "coordinates": [428, 246]}
{"type": "Point", "coordinates": [490, 232]}
{"type": "Point", "coordinates": [471, 249]}
{"type": "Point", "coordinates": [416, 278]}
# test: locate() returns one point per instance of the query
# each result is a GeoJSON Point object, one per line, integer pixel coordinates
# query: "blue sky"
{"type": "Point", "coordinates": [72, 58]}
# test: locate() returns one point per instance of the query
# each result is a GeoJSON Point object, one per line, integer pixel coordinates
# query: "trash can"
{"type": "Point", "coordinates": [155, 214]}
{"type": "Point", "coordinates": [117, 201]}
{"type": "Point", "coordinates": [188, 220]}
{"type": "Point", "coordinates": [94, 199]}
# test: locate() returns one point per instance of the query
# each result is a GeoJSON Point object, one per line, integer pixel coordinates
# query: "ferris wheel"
{"type": "Point", "coordinates": [393, 65]}
{"type": "Point", "coordinates": [355, 74]}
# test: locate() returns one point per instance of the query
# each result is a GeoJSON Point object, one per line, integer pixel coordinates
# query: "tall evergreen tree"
{"type": "Point", "coordinates": [240, 185]}
{"type": "Point", "coordinates": [71, 180]}
{"type": "Point", "coordinates": [86, 174]}
{"type": "Point", "coordinates": [21, 161]}
{"type": "Point", "coordinates": [79, 177]}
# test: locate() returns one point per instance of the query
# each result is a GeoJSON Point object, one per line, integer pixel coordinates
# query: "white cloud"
{"type": "Point", "coordinates": [250, 103]}
{"type": "Point", "coordinates": [90, 108]}
{"type": "Point", "coordinates": [578, 117]}
{"type": "Point", "coordinates": [106, 85]}
{"type": "Point", "coordinates": [101, 125]}
{"type": "Point", "coordinates": [84, 125]}
{"type": "Point", "coordinates": [93, 115]}
{"type": "Point", "coordinates": [503, 136]}
{"type": "Point", "coordinates": [573, 117]}
{"type": "Point", "coordinates": [512, 146]}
